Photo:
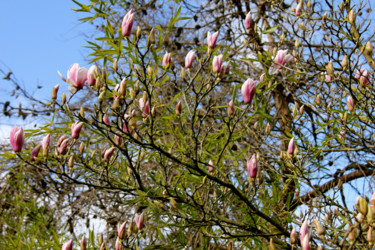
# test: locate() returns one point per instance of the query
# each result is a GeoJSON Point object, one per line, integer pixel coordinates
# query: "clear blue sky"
{"type": "Point", "coordinates": [37, 38]}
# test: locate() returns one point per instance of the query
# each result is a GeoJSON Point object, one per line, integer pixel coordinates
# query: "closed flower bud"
{"type": "Point", "coordinates": [248, 90]}
{"type": "Point", "coordinates": [299, 8]}
{"type": "Point", "coordinates": [139, 220]}
{"type": "Point", "coordinates": [182, 73]}
{"type": "Point", "coordinates": [71, 161]}
{"type": "Point", "coordinates": [291, 146]}
{"type": "Point", "coordinates": [92, 74]}
{"type": "Point", "coordinates": [127, 24]}
{"type": "Point", "coordinates": [369, 48]}
{"type": "Point", "coordinates": [344, 62]}
{"type": "Point", "coordinates": [76, 129]}
{"type": "Point", "coordinates": [63, 98]}
{"type": "Point", "coordinates": [153, 112]}
{"type": "Point", "coordinates": [210, 166]}
{"type": "Point", "coordinates": [329, 68]}
{"type": "Point", "coordinates": [81, 148]}
{"type": "Point", "coordinates": [63, 147]}
{"type": "Point", "coordinates": [360, 218]}
{"type": "Point", "coordinates": [115, 65]}
{"type": "Point", "coordinates": [362, 205]}
{"type": "Point", "coordinates": [68, 245]}
{"type": "Point", "coordinates": [166, 60]}
{"type": "Point", "coordinates": [350, 103]}
{"type": "Point", "coordinates": [272, 245]}
{"type": "Point", "coordinates": [35, 152]}
{"type": "Point", "coordinates": [230, 110]}
{"type": "Point", "coordinates": [252, 168]}
{"type": "Point", "coordinates": [105, 119]}
{"type": "Point", "coordinates": [353, 233]}
{"type": "Point", "coordinates": [268, 129]}
{"type": "Point", "coordinates": [351, 17]}
{"type": "Point", "coordinates": [83, 243]}
{"type": "Point", "coordinates": [189, 59]}
{"type": "Point", "coordinates": [249, 23]}
{"type": "Point", "coordinates": [151, 38]}
{"type": "Point", "coordinates": [54, 92]}
{"type": "Point", "coordinates": [138, 34]}
{"type": "Point", "coordinates": [217, 64]}
{"type": "Point", "coordinates": [293, 237]}
{"type": "Point", "coordinates": [108, 153]}
{"type": "Point", "coordinates": [371, 235]}
{"type": "Point", "coordinates": [45, 144]}
{"type": "Point", "coordinates": [211, 39]}
{"type": "Point", "coordinates": [319, 228]}
{"type": "Point", "coordinates": [121, 230]}
{"type": "Point", "coordinates": [17, 138]}
{"type": "Point", "coordinates": [178, 109]}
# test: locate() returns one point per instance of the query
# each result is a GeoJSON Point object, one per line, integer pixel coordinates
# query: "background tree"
{"type": "Point", "coordinates": [216, 157]}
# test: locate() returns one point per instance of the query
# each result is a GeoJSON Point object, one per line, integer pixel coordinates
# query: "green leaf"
{"type": "Point", "coordinates": [271, 30]}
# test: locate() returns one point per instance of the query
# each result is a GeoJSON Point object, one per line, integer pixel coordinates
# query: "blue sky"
{"type": "Point", "coordinates": [37, 39]}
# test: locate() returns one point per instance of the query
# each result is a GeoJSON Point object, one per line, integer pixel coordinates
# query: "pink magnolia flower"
{"type": "Point", "coordinates": [217, 64]}
{"type": "Point", "coordinates": [364, 75]}
{"type": "Point", "coordinates": [350, 103]}
{"type": "Point", "coordinates": [68, 245]}
{"type": "Point", "coordinates": [210, 166]}
{"type": "Point", "coordinates": [83, 243]}
{"type": "Point", "coordinates": [35, 152]}
{"type": "Point", "coordinates": [92, 74]}
{"type": "Point", "coordinates": [105, 119]}
{"type": "Point", "coordinates": [328, 78]}
{"type": "Point", "coordinates": [249, 21]}
{"type": "Point", "coordinates": [63, 147]}
{"type": "Point", "coordinates": [17, 138]}
{"type": "Point", "coordinates": [121, 230]}
{"type": "Point", "coordinates": [118, 244]}
{"type": "Point", "coordinates": [298, 9]}
{"type": "Point", "coordinates": [139, 220]}
{"type": "Point", "coordinates": [252, 168]}
{"type": "Point", "coordinates": [76, 129]}
{"type": "Point", "coordinates": [146, 110]}
{"type": "Point", "coordinates": [230, 108]}
{"type": "Point", "coordinates": [282, 58]}
{"type": "Point", "coordinates": [189, 59]}
{"type": "Point", "coordinates": [45, 142]}
{"type": "Point", "coordinates": [304, 231]}
{"type": "Point", "coordinates": [291, 146]}
{"type": "Point", "coordinates": [211, 39]}
{"type": "Point", "coordinates": [166, 60]}
{"type": "Point", "coordinates": [127, 24]}
{"type": "Point", "coordinates": [77, 76]}
{"type": "Point", "coordinates": [248, 90]}
{"type": "Point", "coordinates": [305, 243]}
{"type": "Point", "coordinates": [108, 153]}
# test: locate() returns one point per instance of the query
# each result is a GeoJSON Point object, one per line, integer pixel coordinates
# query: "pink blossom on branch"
{"type": "Point", "coordinates": [363, 75]}
{"type": "Point", "coordinates": [35, 152]}
{"type": "Point", "coordinates": [252, 168]}
{"type": "Point", "coordinates": [189, 59]}
{"type": "Point", "coordinates": [77, 76]}
{"type": "Point", "coordinates": [166, 60]}
{"type": "Point", "coordinates": [249, 21]}
{"type": "Point", "coordinates": [127, 24]}
{"type": "Point", "coordinates": [211, 39]}
{"type": "Point", "coordinates": [76, 129]}
{"type": "Point", "coordinates": [92, 74]}
{"type": "Point", "coordinates": [281, 59]}
{"type": "Point", "coordinates": [217, 64]}
{"type": "Point", "coordinates": [17, 138]}
{"type": "Point", "coordinates": [248, 90]}
{"type": "Point", "coordinates": [291, 146]}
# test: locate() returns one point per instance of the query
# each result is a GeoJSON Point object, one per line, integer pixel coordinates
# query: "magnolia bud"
{"type": "Point", "coordinates": [329, 68]}
{"type": "Point", "coordinates": [344, 62]}
{"type": "Point", "coordinates": [178, 109]}
{"type": "Point", "coordinates": [319, 228]}
{"type": "Point", "coordinates": [153, 112]}
{"type": "Point", "coordinates": [82, 112]}
{"type": "Point", "coordinates": [230, 110]}
{"type": "Point", "coordinates": [63, 98]}
{"type": "Point", "coordinates": [268, 129]}
{"type": "Point", "coordinates": [350, 103]}
{"type": "Point", "coordinates": [293, 237]}
{"type": "Point", "coordinates": [182, 73]}
{"type": "Point", "coordinates": [138, 34]}
{"type": "Point", "coordinates": [81, 148]}
{"type": "Point", "coordinates": [272, 246]}
{"type": "Point", "coordinates": [71, 161]}
{"type": "Point", "coordinates": [371, 236]}
{"type": "Point", "coordinates": [151, 38]}
{"type": "Point", "coordinates": [54, 92]}
{"type": "Point", "coordinates": [369, 48]}
{"type": "Point", "coordinates": [351, 17]}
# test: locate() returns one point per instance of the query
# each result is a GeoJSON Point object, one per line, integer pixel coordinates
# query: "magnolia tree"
{"type": "Point", "coordinates": [254, 136]}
